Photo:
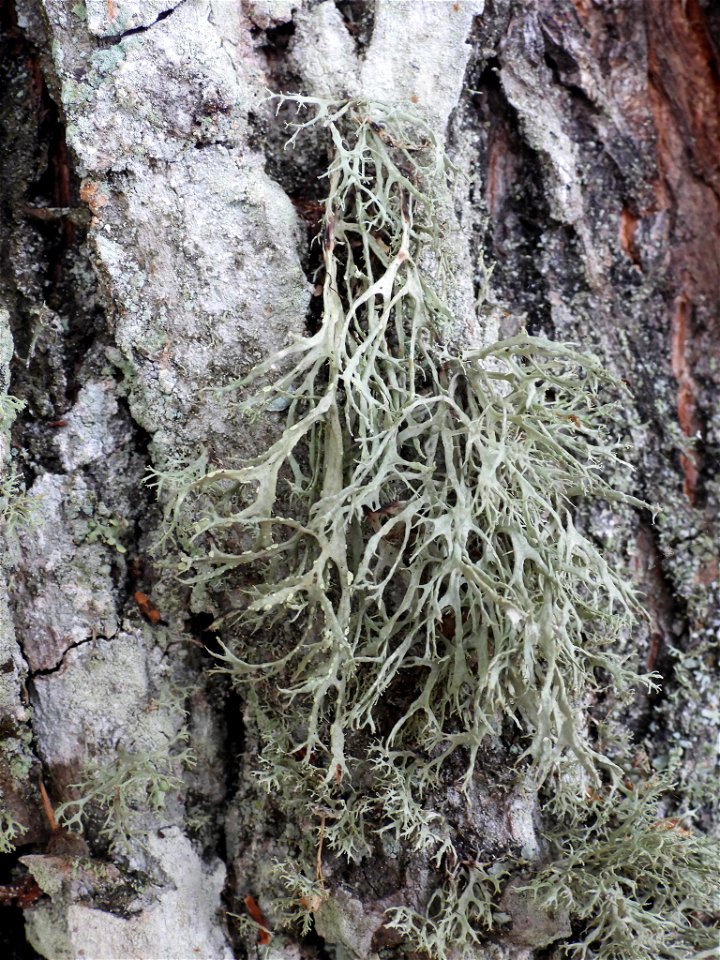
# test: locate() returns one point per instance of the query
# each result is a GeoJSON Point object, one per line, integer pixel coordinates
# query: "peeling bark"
{"type": "Point", "coordinates": [156, 242]}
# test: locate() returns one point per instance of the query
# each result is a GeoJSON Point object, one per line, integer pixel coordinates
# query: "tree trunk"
{"type": "Point", "coordinates": [156, 241]}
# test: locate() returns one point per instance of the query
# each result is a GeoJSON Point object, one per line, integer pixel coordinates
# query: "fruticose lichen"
{"type": "Point", "coordinates": [644, 885]}
{"type": "Point", "coordinates": [121, 792]}
{"type": "Point", "coordinates": [458, 914]}
{"type": "Point", "coordinates": [15, 505]}
{"type": "Point", "coordinates": [399, 573]}
{"type": "Point", "coordinates": [10, 830]}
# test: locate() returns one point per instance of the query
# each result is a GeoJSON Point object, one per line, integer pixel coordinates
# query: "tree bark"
{"type": "Point", "coordinates": [156, 244]}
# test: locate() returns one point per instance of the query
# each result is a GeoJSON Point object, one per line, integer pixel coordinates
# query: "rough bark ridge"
{"type": "Point", "coordinates": [156, 242]}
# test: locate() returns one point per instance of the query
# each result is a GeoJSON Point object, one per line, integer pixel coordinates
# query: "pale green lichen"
{"type": "Point", "coordinates": [109, 529]}
{"type": "Point", "coordinates": [429, 528]}
{"type": "Point", "coordinates": [406, 548]}
{"type": "Point", "coordinates": [458, 914]}
{"type": "Point", "coordinates": [643, 884]}
{"type": "Point", "coordinates": [305, 895]}
{"type": "Point", "coordinates": [10, 830]}
{"type": "Point", "coordinates": [121, 791]}
{"type": "Point", "coordinates": [9, 408]}
{"type": "Point", "coordinates": [16, 508]}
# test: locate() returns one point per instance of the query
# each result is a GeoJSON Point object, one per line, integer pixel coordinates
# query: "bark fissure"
{"type": "Point", "coordinates": [48, 671]}
{"type": "Point", "coordinates": [359, 17]}
{"type": "Point", "coordinates": [133, 31]}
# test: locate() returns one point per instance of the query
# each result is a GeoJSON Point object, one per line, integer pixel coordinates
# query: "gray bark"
{"type": "Point", "coordinates": [155, 243]}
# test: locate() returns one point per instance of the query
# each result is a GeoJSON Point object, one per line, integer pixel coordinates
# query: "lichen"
{"type": "Point", "coordinates": [642, 884]}
{"type": "Point", "coordinates": [15, 506]}
{"type": "Point", "coordinates": [9, 408]}
{"type": "Point", "coordinates": [406, 547]}
{"type": "Point", "coordinates": [17, 509]}
{"type": "Point", "coordinates": [135, 782]}
{"type": "Point", "coordinates": [458, 914]}
{"type": "Point", "coordinates": [111, 530]}
{"type": "Point", "coordinates": [10, 830]}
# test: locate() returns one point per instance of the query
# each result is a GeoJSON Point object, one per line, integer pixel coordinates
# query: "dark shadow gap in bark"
{"type": "Point", "coordinates": [227, 706]}
{"type": "Point", "coordinates": [275, 48]}
{"type": "Point", "coordinates": [316, 947]}
{"type": "Point", "coordinates": [36, 177]}
{"type": "Point", "coordinates": [48, 291]}
{"type": "Point", "coordinates": [58, 318]}
{"type": "Point", "coordinates": [510, 192]}
{"type": "Point", "coordinates": [114, 40]}
{"type": "Point", "coordinates": [559, 68]}
{"type": "Point", "coordinates": [201, 626]}
{"type": "Point", "coordinates": [559, 57]}
{"type": "Point", "coordinates": [298, 170]}
{"type": "Point", "coordinates": [13, 880]}
{"type": "Point", "coordinates": [513, 227]}
{"type": "Point", "coordinates": [359, 17]}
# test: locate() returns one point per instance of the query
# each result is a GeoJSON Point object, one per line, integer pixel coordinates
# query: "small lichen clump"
{"type": "Point", "coordinates": [121, 792]}
{"type": "Point", "coordinates": [10, 830]}
{"type": "Point", "coordinates": [16, 509]}
{"type": "Point", "coordinates": [406, 546]}
{"type": "Point", "coordinates": [644, 885]}
{"type": "Point", "coordinates": [458, 915]}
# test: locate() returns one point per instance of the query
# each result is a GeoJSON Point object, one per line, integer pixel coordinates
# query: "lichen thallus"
{"type": "Point", "coordinates": [398, 577]}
